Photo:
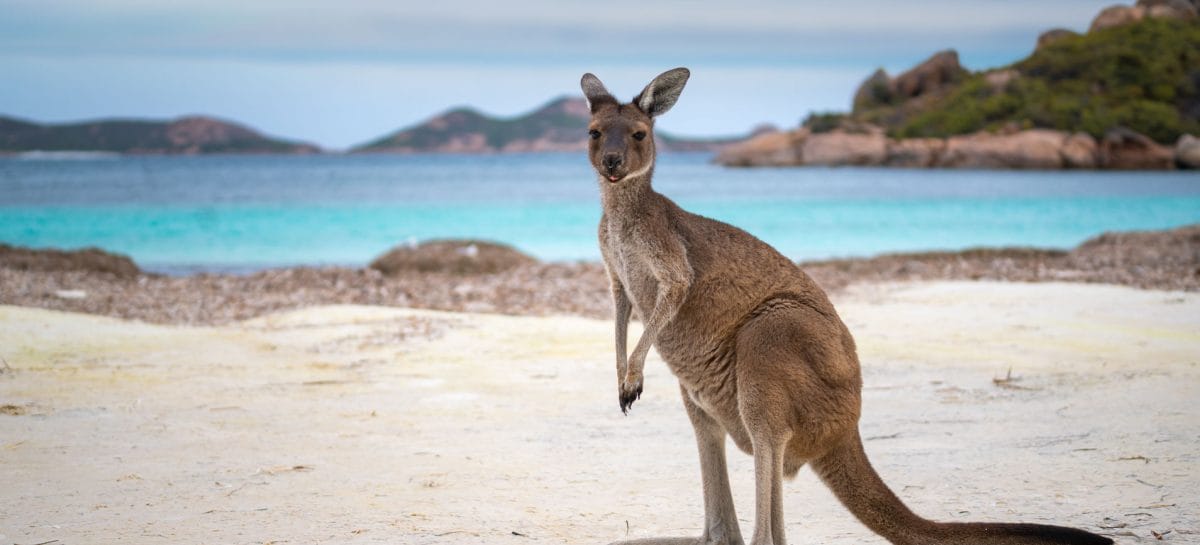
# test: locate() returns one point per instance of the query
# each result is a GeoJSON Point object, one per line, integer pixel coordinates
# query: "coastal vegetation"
{"type": "Point", "coordinates": [1144, 76]}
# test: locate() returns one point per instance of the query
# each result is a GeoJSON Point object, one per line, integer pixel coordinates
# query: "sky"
{"type": "Point", "coordinates": [340, 73]}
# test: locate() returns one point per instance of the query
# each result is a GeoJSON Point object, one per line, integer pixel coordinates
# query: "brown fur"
{"type": "Point", "coordinates": [760, 353]}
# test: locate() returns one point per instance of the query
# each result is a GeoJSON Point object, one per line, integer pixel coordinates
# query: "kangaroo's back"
{"type": "Point", "coordinates": [734, 273]}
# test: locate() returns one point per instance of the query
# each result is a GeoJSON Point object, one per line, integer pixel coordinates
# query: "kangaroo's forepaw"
{"type": "Point", "coordinates": [630, 391]}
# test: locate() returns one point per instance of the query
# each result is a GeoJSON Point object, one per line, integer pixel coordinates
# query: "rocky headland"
{"type": "Point", "coordinates": [1122, 96]}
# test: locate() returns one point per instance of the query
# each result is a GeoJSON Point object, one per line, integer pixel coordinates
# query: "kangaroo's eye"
{"type": "Point", "coordinates": [639, 136]}
{"type": "Point", "coordinates": [594, 134]}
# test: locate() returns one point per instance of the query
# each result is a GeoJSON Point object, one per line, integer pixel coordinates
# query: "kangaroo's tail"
{"type": "Point", "coordinates": [846, 470]}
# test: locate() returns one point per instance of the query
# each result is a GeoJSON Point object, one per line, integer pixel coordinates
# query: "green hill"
{"type": "Point", "coordinates": [1144, 76]}
{"type": "Point", "coordinates": [559, 124]}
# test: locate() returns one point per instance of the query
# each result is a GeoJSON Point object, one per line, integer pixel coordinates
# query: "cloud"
{"type": "Point", "coordinates": [763, 31]}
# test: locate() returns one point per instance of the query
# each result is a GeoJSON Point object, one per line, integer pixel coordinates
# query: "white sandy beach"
{"type": "Point", "coordinates": [353, 424]}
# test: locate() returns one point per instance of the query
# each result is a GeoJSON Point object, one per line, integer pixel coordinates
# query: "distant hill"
{"type": "Point", "coordinates": [1141, 73]}
{"type": "Point", "coordinates": [186, 135]}
{"type": "Point", "coordinates": [560, 125]}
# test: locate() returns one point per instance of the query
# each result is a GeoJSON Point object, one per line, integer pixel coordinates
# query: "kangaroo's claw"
{"type": "Point", "coordinates": [628, 394]}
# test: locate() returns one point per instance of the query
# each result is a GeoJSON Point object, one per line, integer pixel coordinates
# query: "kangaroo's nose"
{"type": "Point", "coordinates": [612, 161]}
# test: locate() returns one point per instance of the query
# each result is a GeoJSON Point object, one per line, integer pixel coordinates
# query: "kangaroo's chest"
{"type": "Point", "coordinates": [691, 352]}
{"type": "Point", "coordinates": [630, 257]}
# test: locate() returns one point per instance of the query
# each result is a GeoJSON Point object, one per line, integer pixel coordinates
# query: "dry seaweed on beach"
{"type": "Point", "coordinates": [91, 281]}
{"type": "Point", "coordinates": [1166, 260]}
{"type": "Point", "coordinates": [451, 256]}
{"type": "Point", "coordinates": [542, 289]}
{"type": "Point", "coordinates": [88, 259]}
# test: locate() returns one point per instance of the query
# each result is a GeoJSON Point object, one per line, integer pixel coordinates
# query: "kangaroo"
{"type": "Point", "coordinates": [760, 353]}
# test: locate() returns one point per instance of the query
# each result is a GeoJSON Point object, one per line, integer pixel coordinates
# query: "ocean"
{"type": "Point", "coordinates": [243, 213]}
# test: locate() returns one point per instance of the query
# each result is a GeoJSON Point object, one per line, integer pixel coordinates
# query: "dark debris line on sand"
{"type": "Point", "coordinates": [512, 283]}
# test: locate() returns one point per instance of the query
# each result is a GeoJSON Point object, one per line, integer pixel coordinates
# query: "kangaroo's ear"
{"type": "Point", "coordinates": [595, 91]}
{"type": "Point", "coordinates": [661, 94]}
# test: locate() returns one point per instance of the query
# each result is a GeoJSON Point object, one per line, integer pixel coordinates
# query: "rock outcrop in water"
{"type": "Point", "coordinates": [1187, 152]}
{"type": "Point", "coordinates": [186, 136]}
{"type": "Point", "coordinates": [1125, 149]}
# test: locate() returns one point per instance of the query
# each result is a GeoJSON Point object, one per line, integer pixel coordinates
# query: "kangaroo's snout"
{"type": "Point", "coordinates": [612, 161]}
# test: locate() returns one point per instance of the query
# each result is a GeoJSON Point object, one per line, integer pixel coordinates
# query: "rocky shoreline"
{"type": "Point", "coordinates": [1013, 148]}
{"type": "Point", "coordinates": [88, 282]}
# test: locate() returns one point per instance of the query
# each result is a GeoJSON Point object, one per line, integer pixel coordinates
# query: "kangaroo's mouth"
{"type": "Point", "coordinates": [613, 178]}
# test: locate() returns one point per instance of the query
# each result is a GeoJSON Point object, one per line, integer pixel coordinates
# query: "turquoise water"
{"type": "Point", "coordinates": [243, 213]}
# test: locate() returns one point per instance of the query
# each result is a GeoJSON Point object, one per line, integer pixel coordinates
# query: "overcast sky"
{"type": "Point", "coordinates": [339, 73]}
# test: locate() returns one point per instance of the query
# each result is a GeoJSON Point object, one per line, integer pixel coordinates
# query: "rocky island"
{"type": "Point", "coordinates": [560, 125]}
{"type": "Point", "coordinates": [184, 136]}
{"type": "Point", "coordinates": [1125, 95]}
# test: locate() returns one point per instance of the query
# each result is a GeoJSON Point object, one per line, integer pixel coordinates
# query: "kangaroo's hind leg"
{"type": "Point", "coordinates": [720, 517]}
{"type": "Point", "coordinates": [768, 490]}
{"type": "Point", "coordinates": [797, 389]}
{"type": "Point", "coordinates": [763, 403]}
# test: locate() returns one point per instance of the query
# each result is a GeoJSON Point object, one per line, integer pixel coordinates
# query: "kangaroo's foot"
{"type": "Point", "coordinates": [702, 540]}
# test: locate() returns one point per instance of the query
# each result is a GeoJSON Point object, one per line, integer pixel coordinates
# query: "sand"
{"type": "Point", "coordinates": [1066, 403]}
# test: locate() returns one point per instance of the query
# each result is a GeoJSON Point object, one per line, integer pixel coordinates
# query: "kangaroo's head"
{"type": "Point", "coordinates": [622, 135]}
